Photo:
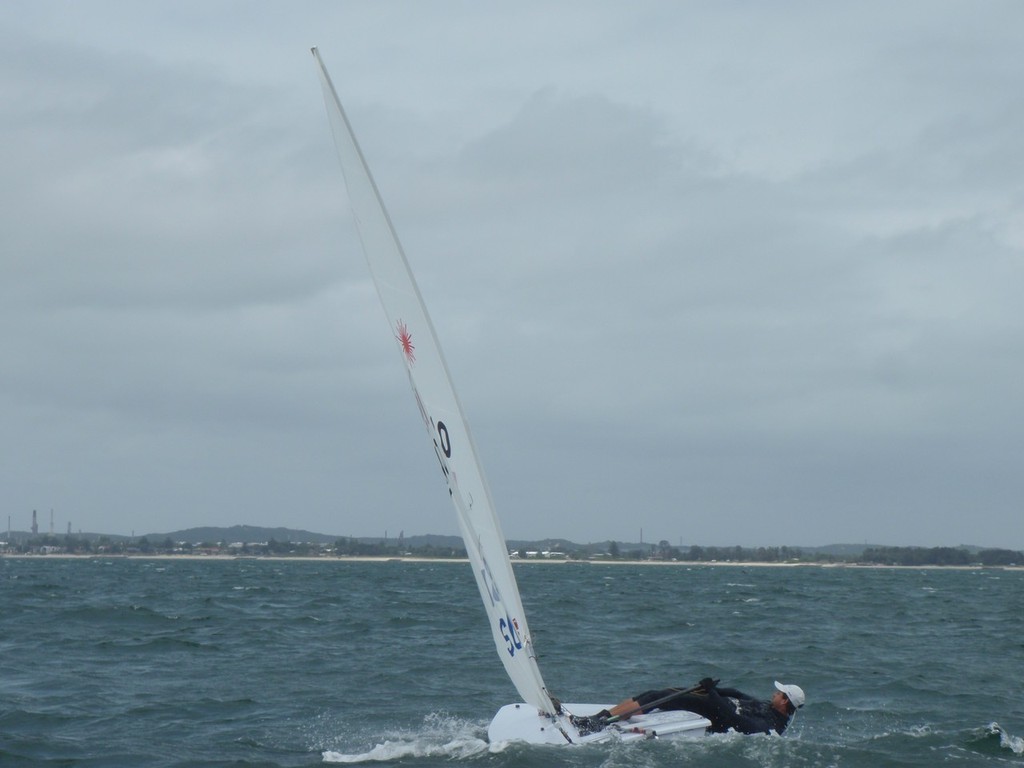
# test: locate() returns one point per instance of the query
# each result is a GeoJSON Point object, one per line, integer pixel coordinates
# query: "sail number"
{"type": "Point", "coordinates": [445, 438]}
{"type": "Point", "coordinates": [510, 631]}
{"type": "Point", "coordinates": [507, 626]}
{"type": "Point", "coordinates": [443, 445]}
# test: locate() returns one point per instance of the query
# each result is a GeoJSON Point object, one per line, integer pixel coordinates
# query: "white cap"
{"type": "Point", "coordinates": [794, 693]}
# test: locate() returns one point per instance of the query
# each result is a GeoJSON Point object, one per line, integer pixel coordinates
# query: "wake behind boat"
{"type": "Point", "coordinates": [539, 718]}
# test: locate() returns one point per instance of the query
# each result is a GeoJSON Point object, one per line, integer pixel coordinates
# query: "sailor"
{"type": "Point", "coordinates": [727, 708]}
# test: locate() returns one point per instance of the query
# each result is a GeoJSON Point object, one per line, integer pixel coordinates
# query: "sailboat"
{"type": "Point", "coordinates": [539, 718]}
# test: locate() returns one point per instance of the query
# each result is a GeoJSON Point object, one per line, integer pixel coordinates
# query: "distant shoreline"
{"type": "Point", "coordinates": [516, 561]}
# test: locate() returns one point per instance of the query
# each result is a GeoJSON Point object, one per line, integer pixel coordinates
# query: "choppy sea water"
{"type": "Point", "coordinates": [114, 662]}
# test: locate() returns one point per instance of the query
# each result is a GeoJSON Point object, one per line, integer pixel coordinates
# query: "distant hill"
{"type": "Point", "coordinates": [244, 534]}
{"type": "Point", "coordinates": [838, 550]}
{"type": "Point", "coordinates": [254, 533]}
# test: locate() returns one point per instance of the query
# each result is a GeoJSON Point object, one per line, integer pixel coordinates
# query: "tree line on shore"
{"type": "Point", "coordinates": [607, 551]}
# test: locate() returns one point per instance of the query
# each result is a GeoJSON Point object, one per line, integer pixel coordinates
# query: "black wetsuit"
{"type": "Point", "coordinates": [726, 708]}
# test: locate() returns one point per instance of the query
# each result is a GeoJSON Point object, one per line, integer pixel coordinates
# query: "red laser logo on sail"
{"type": "Point", "coordinates": [405, 339]}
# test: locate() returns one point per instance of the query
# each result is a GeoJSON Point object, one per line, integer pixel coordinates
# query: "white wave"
{"type": "Point", "coordinates": [442, 736]}
{"type": "Point", "coordinates": [399, 750]}
{"type": "Point", "coordinates": [1013, 743]}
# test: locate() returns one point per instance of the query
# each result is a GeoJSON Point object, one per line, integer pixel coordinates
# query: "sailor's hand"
{"type": "Point", "coordinates": [708, 684]}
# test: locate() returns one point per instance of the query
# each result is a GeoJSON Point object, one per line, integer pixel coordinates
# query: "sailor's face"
{"type": "Point", "coordinates": [780, 702]}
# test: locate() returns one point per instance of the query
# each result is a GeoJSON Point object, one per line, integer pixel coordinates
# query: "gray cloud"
{"type": "Point", "coordinates": [727, 275]}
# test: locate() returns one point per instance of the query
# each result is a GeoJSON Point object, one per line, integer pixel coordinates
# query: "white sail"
{"type": "Point", "coordinates": [439, 406]}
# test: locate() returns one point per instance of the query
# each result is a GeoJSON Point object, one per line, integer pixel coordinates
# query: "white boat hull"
{"type": "Point", "coordinates": [524, 723]}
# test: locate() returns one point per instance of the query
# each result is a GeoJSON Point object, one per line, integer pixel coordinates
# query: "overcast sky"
{"type": "Point", "coordinates": [719, 273]}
